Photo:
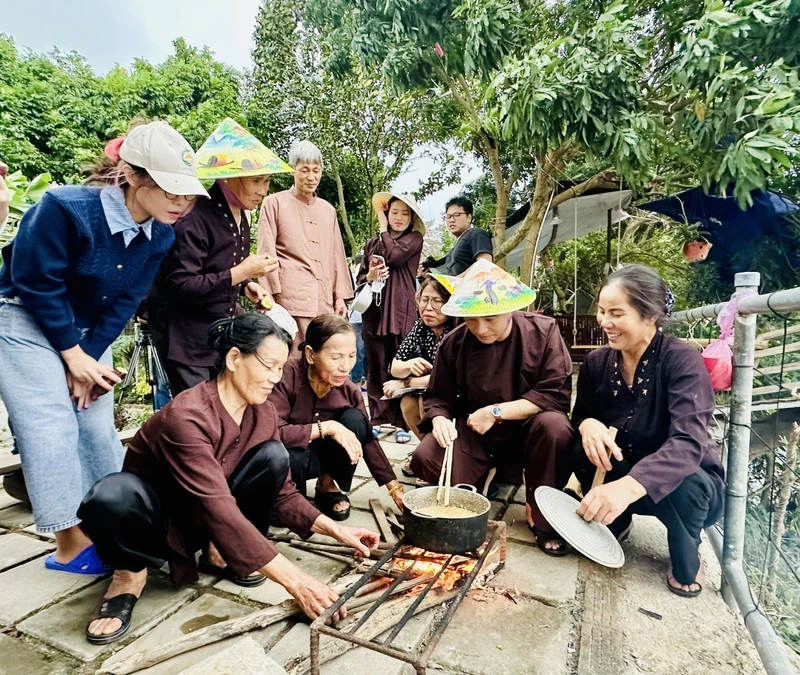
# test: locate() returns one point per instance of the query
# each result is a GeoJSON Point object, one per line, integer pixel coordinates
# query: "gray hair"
{"type": "Point", "coordinates": [646, 291]}
{"type": "Point", "coordinates": [304, 151]}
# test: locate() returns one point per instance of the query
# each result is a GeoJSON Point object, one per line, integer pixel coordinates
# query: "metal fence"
{"type": "Point", "coordinates": [728, 540]}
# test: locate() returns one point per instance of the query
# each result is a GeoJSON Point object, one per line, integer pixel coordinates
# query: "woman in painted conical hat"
{"type": "Point", "coordinates": [210, 266]}
{"type": "Point", "coordinates": [504, 376]}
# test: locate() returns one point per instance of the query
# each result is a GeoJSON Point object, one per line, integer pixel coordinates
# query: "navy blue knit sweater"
{"type": "Point", "coordinates": [71, 273]}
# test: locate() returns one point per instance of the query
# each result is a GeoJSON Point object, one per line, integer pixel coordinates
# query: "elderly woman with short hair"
{"type": "Point", "coordinates": [301, 230]}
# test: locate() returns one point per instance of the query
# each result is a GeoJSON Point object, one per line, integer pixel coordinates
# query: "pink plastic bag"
{"type": "Point", "coordinates": [719, 364]}
{"type": "Point", "coordinates": [718, 356]}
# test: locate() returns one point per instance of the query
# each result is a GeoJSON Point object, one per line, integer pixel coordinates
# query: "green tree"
{"type": "Point", "coordinates": [627, 91]}
{"type": "Point", "coordinates": [56, 114]}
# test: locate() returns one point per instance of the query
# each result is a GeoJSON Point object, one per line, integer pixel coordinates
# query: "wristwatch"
{"type": "Point", "coordinates": [497, 413]}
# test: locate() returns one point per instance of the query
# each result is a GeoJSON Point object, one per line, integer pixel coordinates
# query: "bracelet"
{"type": "Point", "coordinates": [319, 428]}
{"type": "Point", "coordinates": [394, 489]}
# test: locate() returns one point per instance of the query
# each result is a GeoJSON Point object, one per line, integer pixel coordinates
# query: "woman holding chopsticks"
{"type": "Point", "coordinates": [656, 391]}
{"type": "Point", "coordinates": [505, 377]}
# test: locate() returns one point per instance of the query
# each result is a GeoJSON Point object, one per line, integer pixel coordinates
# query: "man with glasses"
{"type": "Point", "coordinates": [472, 243]}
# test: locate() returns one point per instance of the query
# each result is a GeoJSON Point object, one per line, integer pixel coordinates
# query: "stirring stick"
{"type": "Point", "coordinates": [445, 477]}
{"type": "Point", "coordinates": [600, 474]}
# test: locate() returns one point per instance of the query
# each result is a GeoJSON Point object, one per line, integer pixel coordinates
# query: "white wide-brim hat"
{"type": "Point", "coordinates": [165, 155]}
{"type": "Point", "coordinates": [381, 199]}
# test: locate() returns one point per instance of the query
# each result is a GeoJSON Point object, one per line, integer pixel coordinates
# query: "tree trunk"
{"type": "Point", "coordinates": [769, 476]}
{"type": "Point", "coordinates": [779, 514]}
{"type": "Point", "coordinates": [343, 209]}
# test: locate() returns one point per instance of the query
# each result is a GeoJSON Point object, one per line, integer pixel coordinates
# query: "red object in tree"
{"type": "Point", "coordinates": [438, 49]}
{"type": "Point", "coordinates": [695, 251]}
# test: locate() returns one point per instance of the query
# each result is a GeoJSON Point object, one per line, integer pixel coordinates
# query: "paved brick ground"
{"type": "Point", "coordinates": [528, 620]}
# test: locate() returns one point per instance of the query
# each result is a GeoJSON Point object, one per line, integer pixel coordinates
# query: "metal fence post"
{"type": "Point", "coordinates": [739, 443]}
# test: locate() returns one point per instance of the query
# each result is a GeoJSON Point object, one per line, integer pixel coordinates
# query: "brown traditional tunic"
{"type": "Point", "coordinates": [663, 421]}
{"type": "Point", "coordinates": [305, 238]}
{"type": "Point", "coordinates": [193, 287]}
{"type": "Point", "coordinates": [187, 452]}
{"type": "Point", "coordinates": [384, 326]}
{"type": "Point", "coordinates": [532, 363]}
{"type": "Point", "coordinates": [298, 408]}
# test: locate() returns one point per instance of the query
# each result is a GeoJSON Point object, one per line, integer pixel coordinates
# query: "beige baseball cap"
{"type": "Point", "coordinates": [166, 155]}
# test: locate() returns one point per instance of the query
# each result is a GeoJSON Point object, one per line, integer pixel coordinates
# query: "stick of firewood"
{"type": "Point", "coordinates": [233, 627]}
{"type": "Point", "coordinates": [289, 538]}
{"type": "Point", "coordinates": [600, 474]}
{"type": "Point", "coordinates": [384, 618]}
{"type": "Point", "coordinates": [383, 524]}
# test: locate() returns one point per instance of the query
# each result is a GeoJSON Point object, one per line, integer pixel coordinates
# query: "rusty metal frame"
{"type": "Point", "coordinates": [418, 658]}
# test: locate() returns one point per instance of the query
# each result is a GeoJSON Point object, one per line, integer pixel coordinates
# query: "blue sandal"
{"type": "Point", "coordinates": [86, 562]}
{"type": "Point", "coordinates": [402, 437]}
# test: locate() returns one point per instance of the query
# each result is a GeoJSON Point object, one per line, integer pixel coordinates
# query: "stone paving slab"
{"type": "Point", "coordinates": [245, 657]}
{"type": "Point", "coordinates": [360, 497]}
{"type": "Point", "coordinates": [519, 495]}
{"type": "Point", "coordinates": [29, 587]}
{"type": "Point", "coordinates": [6, 499]}
{"type": "Point", "coordinates": [528, 570]}
{"type": "Point", "coordinates": [271, 593]}
{"type": "Point", "coordinates": [500, 637]}
{"type": "Point", "coordinates": [356, 661]}
{"type": "Point", "coordinates": [205, 611]}
{"type": "Point", "coordinates": [17, 515]}
{"type": "Point", "coordinates": [397, 452]}
{"type": "Point", "coordinates": [19, 658]}
{"type": "Point", "coordinates": [505, 492]}
{"type": "Point", "coordinates": [63, 625]}
{"type": "Point", "coordinates": [8, 462]}
{"type": "Point", "coordinates": [518, 525]}
{"type": "Point", "coordinates": [16, 549]}
{"type": "Point", "coordinates": [31, 529]}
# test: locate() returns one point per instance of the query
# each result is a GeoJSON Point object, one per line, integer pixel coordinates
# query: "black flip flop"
{"type": "Point", "coordinates": [543, 537]}
{"type": "Point", "coordinates": [224, 573]}
{"type": "Point", "coordinates": [680, 591]}
{"type": "Point", "coordinates": [325, 502]}
{"type": "Point", "coordinates": [119, 607]}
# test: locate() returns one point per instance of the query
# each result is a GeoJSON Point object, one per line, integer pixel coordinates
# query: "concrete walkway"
{"type": "Point", "coordinates": [549, 616]}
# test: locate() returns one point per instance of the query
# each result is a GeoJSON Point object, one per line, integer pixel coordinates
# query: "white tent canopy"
{"type": "Point", "coordinates": [559, 223]}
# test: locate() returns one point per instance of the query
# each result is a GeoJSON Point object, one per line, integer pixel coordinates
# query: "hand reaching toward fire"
{"type": "Point", "coordinates": [360, 538]}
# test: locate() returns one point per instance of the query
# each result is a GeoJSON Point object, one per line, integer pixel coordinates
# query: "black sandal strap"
{"type": "Point", "coordinates": [119, 607]}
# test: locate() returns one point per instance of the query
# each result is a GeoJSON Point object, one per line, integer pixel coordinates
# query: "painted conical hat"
{"type": "Point", "coordinates": [487, 290]}
{"type": "Point", "coordinates": [381, 198]}
{"type": "Point", "coordinates": [233, 152]}
{"type": "Point", "coordinates": [448, 282]}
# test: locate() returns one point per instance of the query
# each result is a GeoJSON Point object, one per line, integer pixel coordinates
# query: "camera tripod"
{"type": "Point", "coordinates": [153, 370]}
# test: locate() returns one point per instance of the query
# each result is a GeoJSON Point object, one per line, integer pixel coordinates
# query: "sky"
{"type": "Point", "coordinates": [108, 32]}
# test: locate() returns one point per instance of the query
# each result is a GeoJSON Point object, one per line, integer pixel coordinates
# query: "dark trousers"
{"type": "Point", "coordinates": [326, 456]}
{"type": "Point", "coordinates": [541, 445]}
{"type": "Point", "coordinates": [380, 350]}
{"type": "Point", "coordinates": [696, 503]}
{"type": "Point", "coordinates": [128, 525]}
{"type": "Point", "coordinates": [183, 376]}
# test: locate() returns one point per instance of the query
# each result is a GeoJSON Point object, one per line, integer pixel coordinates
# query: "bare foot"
{"type": "Point", "coordinates": [122, 582]}
{"type": "Point", "coordinates": [550, 544]}
{"type": "Point", "coordinates": [325, 483]}
{"type": "Point", "coordinates": [214, 556]}
{"type": "Point", "coordinates": [69, 543]}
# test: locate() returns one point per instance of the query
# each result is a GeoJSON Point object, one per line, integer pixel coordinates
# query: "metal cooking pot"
{"type": "Point", "coordinates": [442, 534]}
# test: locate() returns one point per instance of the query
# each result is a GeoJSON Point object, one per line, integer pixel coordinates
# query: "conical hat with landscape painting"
{"type": "Point", "coordinates": [487, 290]}
{"type": "Point", "coordinates": [233, 152]}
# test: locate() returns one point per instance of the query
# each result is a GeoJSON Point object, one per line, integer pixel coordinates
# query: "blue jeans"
{"type": "Point", "coordinates": [63, 451]}
{"type": "Point", "coordinates": [359, 372]}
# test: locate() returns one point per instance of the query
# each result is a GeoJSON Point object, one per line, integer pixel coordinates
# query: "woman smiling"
{"type": "Point", "coordinates": [324, 421]}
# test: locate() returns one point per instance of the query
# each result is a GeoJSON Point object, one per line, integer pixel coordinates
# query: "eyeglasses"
{"type": "Point", "coordinates": [454, 216]}
{"type": "Point", "coordinates": [435, 303]}
{"type": "Point", "coordinates": [276, 370]}
{"type": "Point", "coordinates": [175, 198]}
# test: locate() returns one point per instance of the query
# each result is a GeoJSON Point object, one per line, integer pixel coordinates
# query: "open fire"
{"type": "Point", "coordinates": [442, 578]}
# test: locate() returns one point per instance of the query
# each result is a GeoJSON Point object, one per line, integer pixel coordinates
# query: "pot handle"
{"type": "Point", "coordinates": [422, 515]}
{"type": "Point", "coordinates": [464, 486]}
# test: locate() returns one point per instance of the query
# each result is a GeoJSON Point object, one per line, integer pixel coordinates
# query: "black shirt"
{"type": "Point", "coordinates": [663, 421]}
{"type": "Point", "coordinates": [469, 245]}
